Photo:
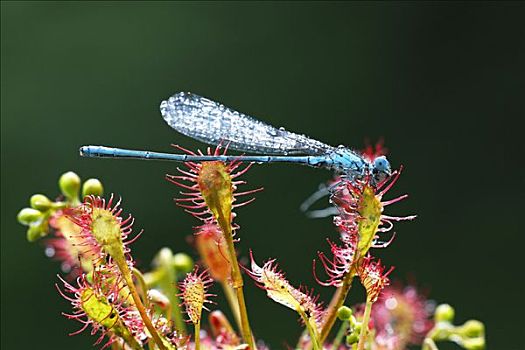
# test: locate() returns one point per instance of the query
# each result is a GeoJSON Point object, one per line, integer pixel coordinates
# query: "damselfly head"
{"type": "Point", "coordinates": [380, 169]}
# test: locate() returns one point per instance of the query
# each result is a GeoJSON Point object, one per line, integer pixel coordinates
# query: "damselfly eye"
{"type": "Point", "coordinates": [381, 169]}
{"type": "Point", "coordinates": [381, 165]}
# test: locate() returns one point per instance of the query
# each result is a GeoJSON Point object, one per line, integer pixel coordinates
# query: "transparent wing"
{"type": "Point", "coordinates": [211, 122]}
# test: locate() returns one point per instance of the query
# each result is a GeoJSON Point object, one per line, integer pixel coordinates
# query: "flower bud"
{"type": "Point", "coordinates": [344, 313]}
{"type": "Point", "coordinates": [40, 202]}
{"type": "Point", "coordinates": [92, 187]}
{"type": "Point", "coordinates": [352, 338]}
{"type": "Point", "coordinates": [444, 313]}
{"type": "Point", "coordinates": [182, 262]}
{"type": "Point", "coordinates": [353, 321]}
{"type": "Point", "coordinates": [157, 298]}
{"type": "Point", "coordinates": [27, 216]}
{"type": "Point", "coordinates": [472, 329]}
{"type": "Point", "coordinates": [34, 232]}
{"type": "Point", "coordinates": [163, 258]}
{"type": "Point", "coordinates": [69, 184]}
{"type": "Point", "coordinates": [474, 343]}
{"type": "Point", "coordinates": [357, 327]}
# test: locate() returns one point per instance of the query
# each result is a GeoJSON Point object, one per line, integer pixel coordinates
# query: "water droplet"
{"type": "Point", "coordinates": [391, 303]}
{"type": "Point", "coordinates": [65, 267]}
{"type": "Point", "coordinates": [49, 251]}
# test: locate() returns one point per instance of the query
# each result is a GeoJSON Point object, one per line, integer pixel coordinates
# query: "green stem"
{"type": "Point", "coordinates": [131, 342]}
{"type": "Point", "coordinates": [169, 312]}
{"type": "Point", "coordinates": [237, 280]}
{"type": "Point", "coordinates": [428, 344]}
{"type": "Point", "coordinates": [245, 325]}
{"type": "Point", "coordinates": [232, 302]}
{"type": "Point", "coordinates": [169, 285]}
{"type": "Point", "coordinates": [340, 335]}
{"type": "Point", "coordinates": [143, 289]}
{"type": "Point", "coordinates": [198, 335]}
{"type": "Point", "coordinates": [337, 301]}
{"type": "Point", "coordinates": [126, 273]}
{"type": "Point", "coordinates": [364, 327]}
{"type": "Point", "coordinates": [314, 336]}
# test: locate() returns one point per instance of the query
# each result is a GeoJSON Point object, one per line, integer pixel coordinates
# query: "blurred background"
{"type": "Point", "coordinates": [442, 83]}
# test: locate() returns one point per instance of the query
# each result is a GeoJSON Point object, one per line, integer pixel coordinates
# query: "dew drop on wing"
{"type": "Point", "coordinates": [208, 121]}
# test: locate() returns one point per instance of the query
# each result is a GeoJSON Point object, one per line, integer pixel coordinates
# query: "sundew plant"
{"type": "Point", "coordinates": [126, 306]}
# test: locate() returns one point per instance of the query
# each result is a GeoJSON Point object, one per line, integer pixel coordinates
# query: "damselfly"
{"type": "Point", "coordinates": [213, 123]}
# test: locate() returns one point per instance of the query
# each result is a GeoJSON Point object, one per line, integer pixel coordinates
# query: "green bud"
{"type": "Point", "coordinates": [154, 277]}
{"type": "Point", "coordinates": [182, 262]}
{"type": "Point", "coordinates": [163, 258]}
{"type": "Point", "coordinates": [92, 187]}
{"type": "Point", "coordinates": [35, 232]}
{"type": "Point", "coordinates": [474, 343]}
{"type": "Point", "coordinates": [472, 329]}
{"type": "Point", "coordinates": [40, 202]}
{"type": "Point", "coordinates": [344, 313]}
{"type": "Point", "coordinates": [357, 327]}
{"type": "Point", "coordinates": [444, 313]}
{"type": "Point", "coordinates": [352, 338]}
{"type": "Point", "coordinates": [69, 184]}
{"type": "Point", "coordinates": [27, 216]}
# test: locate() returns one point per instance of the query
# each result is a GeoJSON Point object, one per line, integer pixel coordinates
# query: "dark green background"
{"type": "Point", "coordinates": [442, 83]}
